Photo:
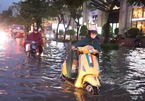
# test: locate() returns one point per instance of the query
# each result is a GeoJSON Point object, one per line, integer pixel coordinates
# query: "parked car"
{"type": "Point", "coordinates": [49, 35]}
{"type": "Point", "coordinates": [17, 31]}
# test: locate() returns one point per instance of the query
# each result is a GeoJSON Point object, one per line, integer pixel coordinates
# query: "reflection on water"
{"type": "Point", "coordinates": [135, 79]}
{"type": "Point", "coordinates": [37, 79]}
{"type": "Point", "coordinates": [127, 70]}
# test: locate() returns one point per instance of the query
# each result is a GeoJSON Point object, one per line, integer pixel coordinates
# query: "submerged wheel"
{"type": "Point", "coordinates": [32, 54]}
{"type": "Point", "coordinates": [92, 89]}
{"type": "Point", "coordinates": [28, 54]}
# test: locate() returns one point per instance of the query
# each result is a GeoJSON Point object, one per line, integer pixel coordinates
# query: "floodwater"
{"type": "Point", "coordinates": [37, 79]}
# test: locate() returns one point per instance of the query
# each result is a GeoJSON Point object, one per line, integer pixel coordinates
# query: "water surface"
{"type": "Point", "coordinates": [37, 79]}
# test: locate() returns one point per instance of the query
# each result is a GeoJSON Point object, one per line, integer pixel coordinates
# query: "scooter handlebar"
{"type": "Point", "coordinates": [87, 49]}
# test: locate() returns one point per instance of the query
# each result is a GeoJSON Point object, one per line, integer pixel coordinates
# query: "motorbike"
{"type": "Point", "coordinates": [138, 43]}
{"type": "Point", "coordinates": [49, 36]}
{"type": "Point", "coordinates": [31, 48]}
{"type": "Point", "coordinates": [86, 74]}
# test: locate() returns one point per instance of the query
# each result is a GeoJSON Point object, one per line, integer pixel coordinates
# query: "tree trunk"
{"type": "Point", "coordinates": [59, 21]}
{"type": "Point", "coordinates": [78, 26]}
{"type": "Point", "coordinates": [78, 32]}
{"type": "Point", "coordinates": [107, 30]}
{"type": "Point", "coordinates": [66, 27]}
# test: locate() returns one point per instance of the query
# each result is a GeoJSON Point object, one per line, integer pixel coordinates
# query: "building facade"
{"type": "Point", "coordinates": [129, 17]}
{"type": "Point", "coordinates": [138, 17]}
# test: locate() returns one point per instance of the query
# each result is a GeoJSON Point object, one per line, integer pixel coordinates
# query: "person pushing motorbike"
{"type": "Point", "coordinates": [37, 37]}
{"type": "Point", "coordinates": [92, 40]}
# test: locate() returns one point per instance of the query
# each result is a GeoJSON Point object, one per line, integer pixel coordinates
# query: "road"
{"type": "Point", "coordinates": [37, 79]}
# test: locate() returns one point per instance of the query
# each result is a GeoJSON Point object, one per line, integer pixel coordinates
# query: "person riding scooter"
{"type": "Point", "coordinates": [37, 37]}
{"type": "Point", "coordinates": [81, 67]}
{"type": "Point", "coordinates": [90, 39]}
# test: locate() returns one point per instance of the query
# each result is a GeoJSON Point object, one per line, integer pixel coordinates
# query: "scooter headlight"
{"type": "Point", "coordinates": [34, 47]}
{"type": "Point", "coordinates": [47, 35]}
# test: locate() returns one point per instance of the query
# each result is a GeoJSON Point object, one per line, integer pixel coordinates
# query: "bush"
{"type": "Point", "coordinates": [116, 31]}
{"type": "Point", "coordinates": [133, 32]}
{"type": "Point", "coordinates": [61, 32]}
{"type": "Point", "coordinates": [83, 30]}
{"type": "Point", "coordinates": [70, 32]}
{"type": "Point", "coordinates": [104, 30]}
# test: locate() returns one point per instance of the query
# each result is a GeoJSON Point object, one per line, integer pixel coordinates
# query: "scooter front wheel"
{"type": "Point", "coordinates": [92, 89]}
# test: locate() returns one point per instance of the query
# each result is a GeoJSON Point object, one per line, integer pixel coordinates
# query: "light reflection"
{"type": "Point", "coordinates": [3, 37]}
{"type": "Point", "coordinates": [135, 78]}
{"type": "Point", "coordinates": [3, 92]}
{"type": "Point", "coordinates": [79, 96]}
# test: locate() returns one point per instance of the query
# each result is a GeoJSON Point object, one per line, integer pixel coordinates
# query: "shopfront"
{"type": "Point", "coordinates": [138, 18]}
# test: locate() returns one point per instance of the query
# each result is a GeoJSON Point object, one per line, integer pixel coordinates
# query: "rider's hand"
{"type": "Point", "coordinates": [89, 47]}
{"type": "Point", "coordinates": [73, 48]}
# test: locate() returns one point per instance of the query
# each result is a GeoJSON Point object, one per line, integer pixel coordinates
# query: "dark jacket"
{"type": "Point", "coordinates": [88, 41]}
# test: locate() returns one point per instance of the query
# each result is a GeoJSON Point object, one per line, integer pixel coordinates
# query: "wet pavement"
{"type": "Point", "coordinates": [37, 79]}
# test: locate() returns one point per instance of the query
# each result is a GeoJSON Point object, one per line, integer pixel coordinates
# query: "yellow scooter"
{"type": "Point", "coordinates": [87, 70]}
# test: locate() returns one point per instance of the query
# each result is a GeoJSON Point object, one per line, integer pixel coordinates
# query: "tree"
{"type": "Point", "coordinates": [75, 8]}
{"type": "Point", "coordinates": [17, 18]}
{"type": "Point", "coordinates": [58, 9]}
{"type": "Point", "coordinates": [70, 33]}
{"type": "Point", "coordinates": [34, 10]}
{"type": "Point", "coordinates": [84, 30]}
{"type": "Point", "coordinates": [7, 13]}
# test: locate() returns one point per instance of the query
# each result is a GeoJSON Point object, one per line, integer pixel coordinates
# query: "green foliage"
{"type": "Point", "coordinates": [70, 32]}
{"type": "Point", "coordinates": [83, 30]}
{"type": "Point", "coordinates": [116, 31]}
{"type": "Point", "coordinates": [75, 9]}
{"type": "Point", "coordinates": [57, 8]}
{"type": "Point", "coordinates": [133, 32]}
{"type": "Point", "coordinates": [34, 11]}
{"type": "Point", "coordinates": [104, 30]}
{"type": "Point", "coordinates": [61, 32]}
{"type": "Point", "coordinates": [7, 13]}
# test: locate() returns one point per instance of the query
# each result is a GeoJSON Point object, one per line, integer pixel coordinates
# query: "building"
{"type": "Point", "coordinates": [129, 17]}
{"type": "Point", "coordinates": [138, 17]}
{"type": "Point", "coordinates": [98, 18]}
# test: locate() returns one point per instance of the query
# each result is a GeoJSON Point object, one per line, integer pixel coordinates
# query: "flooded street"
{"type": "Point", "coordinates": [37, 79]}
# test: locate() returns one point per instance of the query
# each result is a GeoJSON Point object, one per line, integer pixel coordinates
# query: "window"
{"type": "Point", "coordinates": [144, 12]}
{"type": "Point", "coordinates": [134, 24]}
{"type": "Point", "coordinates": [137, 12]}
{"type": "Point", "coordinates": [139, 25]}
